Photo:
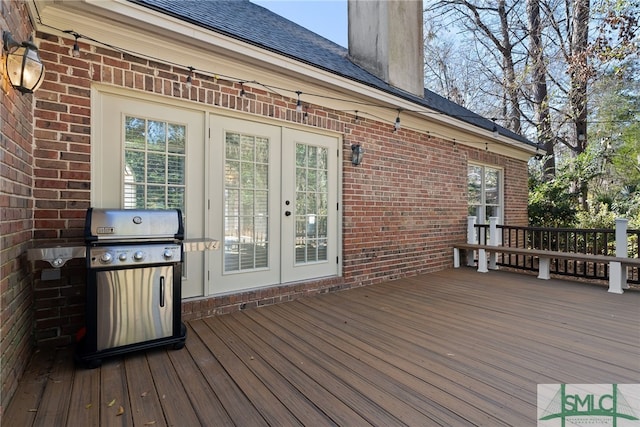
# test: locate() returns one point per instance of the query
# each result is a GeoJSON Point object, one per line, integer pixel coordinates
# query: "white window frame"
{"type": "Point", "coordinates": [482, 208]}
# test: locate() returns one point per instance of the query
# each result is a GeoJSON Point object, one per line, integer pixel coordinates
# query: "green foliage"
{"type": "Point", "coordinates": [551, 204]}
{"type": "Point", "coordinates": [607, 173]}
{"type": "Point", "coordinates": [598, 215]}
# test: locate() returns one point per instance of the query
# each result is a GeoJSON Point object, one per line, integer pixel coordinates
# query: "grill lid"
{"type": "Point", "coordinates": [133, 225]}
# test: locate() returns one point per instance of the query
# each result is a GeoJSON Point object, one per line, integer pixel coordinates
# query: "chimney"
{"type": "Point", "coordinates": [385, 38]}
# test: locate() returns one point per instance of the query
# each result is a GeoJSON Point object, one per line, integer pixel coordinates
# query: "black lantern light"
{"type": "Point", "coordinates": [23, 65]}
{"type": "Point", "coordinates": [357, 152]}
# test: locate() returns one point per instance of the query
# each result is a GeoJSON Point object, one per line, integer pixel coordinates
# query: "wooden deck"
{"type": "Point", "coordinates": [453, 348]}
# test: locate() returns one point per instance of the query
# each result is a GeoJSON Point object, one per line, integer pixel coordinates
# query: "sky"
{"type": "Point", "coordinates": [325, 17]}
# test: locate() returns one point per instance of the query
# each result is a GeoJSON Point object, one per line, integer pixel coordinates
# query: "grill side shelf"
{"type": "Point", "coordinates": [200, 245]}
{"type": "Point", "coordinates": [57, 256]}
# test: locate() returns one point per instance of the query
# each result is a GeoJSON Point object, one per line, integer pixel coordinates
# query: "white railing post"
{"type": "Point", "coordinates": [493, 241]}
{"type": "Point", "coordinates": [471, 238]}
{"type": "Point", "coordinates": [617, 271]}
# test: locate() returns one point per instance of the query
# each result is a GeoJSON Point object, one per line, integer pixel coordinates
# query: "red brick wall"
{"type": "Point", "coordinates": [516, 193]}
{"type": "Point", "coordinates": [403, 207]}
{"type": "Point", "coordinates": [16, 224]}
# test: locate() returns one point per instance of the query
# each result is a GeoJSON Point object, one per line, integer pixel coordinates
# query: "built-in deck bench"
{"type": "Point", "coordinates": [617, 265]}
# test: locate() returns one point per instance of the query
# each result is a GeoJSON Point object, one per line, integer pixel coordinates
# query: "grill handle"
{"type": "Point", "coordinates": [161, 291]}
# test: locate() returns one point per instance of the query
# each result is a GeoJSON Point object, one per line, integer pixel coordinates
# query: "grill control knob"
{"type": "Point", "coordinates": [106, 258]}
{"type": "Point", "coordinates": [138, 255]}
{"type": "Point", "coordinates": [168, 254]}
{"type": "Point", "coordinates": [122, 257]}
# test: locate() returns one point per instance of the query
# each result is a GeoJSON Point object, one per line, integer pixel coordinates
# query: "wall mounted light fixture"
{"type": "Point", "coordinates": [76, 48]}
{"type": "Point", "coordinates": [189, 81]}
{"type": "Point", "coordinates": [299, 104]}
{"type": "Point", "coordinates": [357, 152]}
{"type": "Point", "coordinates": [23, 65]}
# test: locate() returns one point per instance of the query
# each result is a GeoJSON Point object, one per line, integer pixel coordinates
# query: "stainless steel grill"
{"type": "Point", "coordinates": [134, 262]}
{"type": "Point", "coordinates": [134, 275]}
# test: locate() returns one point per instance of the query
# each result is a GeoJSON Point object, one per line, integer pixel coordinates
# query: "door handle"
{"type": "Point", "coordinates": [287, 213]}
{"type": "Point", "coordinates": [161, 291]}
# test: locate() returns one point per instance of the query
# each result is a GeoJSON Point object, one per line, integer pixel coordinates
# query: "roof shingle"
{"type": "Point", "coordinates": [254, 24]}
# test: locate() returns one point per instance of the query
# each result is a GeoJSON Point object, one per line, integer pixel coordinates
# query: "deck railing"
{"type": "Point", "coordinates": [578, 240]}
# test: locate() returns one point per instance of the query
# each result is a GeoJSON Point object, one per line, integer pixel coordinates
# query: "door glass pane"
{"type": "Point", "coordinates": [175, 197]}
{"type": "Point", "coordinates": [156, 197]}
{"type": "Point", "coordinates": [157, 136]}
{"type": "Point", "coordinates": [492, 211]}
{"type": "Point", "coordinates": [492, 186]}
{"type": "Point", "coordinates": [262, 151]}
{"type": "Point", "coordinates": [154, 170]}
{"type": "Point", "coordinates": [311, 200]}
{"type": "Point", "coordinates": [246, 202]}
{"type": "Point", "coordinates": [176, 138]}
{"type": "Point", "coordinates": [474, 185]}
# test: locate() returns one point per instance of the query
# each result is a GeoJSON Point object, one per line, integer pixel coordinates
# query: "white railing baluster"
{"type": "Point", "coordinates": [471, 238]}
{"type": "Point", "coordinates": [617, 271]}
{"type": "Point", "coordinates": [493, 241]}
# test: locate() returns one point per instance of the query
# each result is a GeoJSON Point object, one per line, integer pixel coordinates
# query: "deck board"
{"type": "Point", "coordinates": [450, 348]}
{"type": "Point", "coordinates": [411, 354]}
{"type": "Point", "coordinates": [143, 396]}
{"type": "Point", "coordinates": [269, 372]}
{"type": "Point", "coordinates": [325, 402]}
{"type": "Point", "coordinates": [54, 406]}
{"type": "Point", "coordinates": [114, 394]}
{"type": "Point", "coordinates": [260, 401]}
{"type": "Point", "coordinates": [29, 394]}
{"type": "Point", "coordinates": [176, 405]}
{"type": "Point", "coordinates": [319, 375]}
{"type": "Point", "coordinates": [509, 329]}
{"type": "Point", "coordinates": [85, 398]}
{"type": "Point", "coordinates": [369, 363]}
{"type": "Point", "coordinates": [206, 383]}
{"type": "Point", "coordinates": [330, 370]}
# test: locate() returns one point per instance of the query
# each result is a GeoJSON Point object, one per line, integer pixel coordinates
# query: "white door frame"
{"type": "Point", "coordinates": [109, 107]}
{"type": "Point", "coordinates": [281, 138]}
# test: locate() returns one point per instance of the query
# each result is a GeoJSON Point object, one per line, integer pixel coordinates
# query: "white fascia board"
{"type": "Point", "coordinates": [138, 29]}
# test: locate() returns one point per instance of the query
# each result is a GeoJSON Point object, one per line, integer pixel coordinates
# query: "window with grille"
{"type": "Point", "coordinates": [312, 195]}
{"type": "Point", "coordinates": [246, 202]}
{"type": "Point", "coordinates": [154, 171]}
{"type": "Point", "coordinates": [484, 186]}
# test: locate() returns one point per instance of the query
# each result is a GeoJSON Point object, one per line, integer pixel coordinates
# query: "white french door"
{"type": "Point", "coordinates": [274, 195]}
{"type": "Point", "coordinates": [310, 220]}
{"type": "Point", "coordinates": [148, 155]}
{"type": "Point", "coordinates": [269, 194]}
{"type": "Point", "coordinates": [245, 198]}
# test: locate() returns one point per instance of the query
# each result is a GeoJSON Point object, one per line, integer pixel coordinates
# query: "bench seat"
{"type": "Point", "coordinates": [617, 274]}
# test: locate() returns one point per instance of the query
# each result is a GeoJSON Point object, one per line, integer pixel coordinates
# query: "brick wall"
{"type": "Point", "coordinates": [403, 207]}
{"type": "Point", "coordinates": [516, 193]}
{"type": "Point", "coordinates": [16, 218]}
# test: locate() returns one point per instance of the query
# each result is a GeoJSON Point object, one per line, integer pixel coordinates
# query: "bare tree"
{"type": "Point", "coordinates": [579, 71]}
{"type": "Point", "coordinates": [495, 30]}
{"type": "Point", "coordinates": [539, 92]}
{"type": "Point", "coordinates": [448, 70]}
{"type": "Point", "coordinates": [542, 66]}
